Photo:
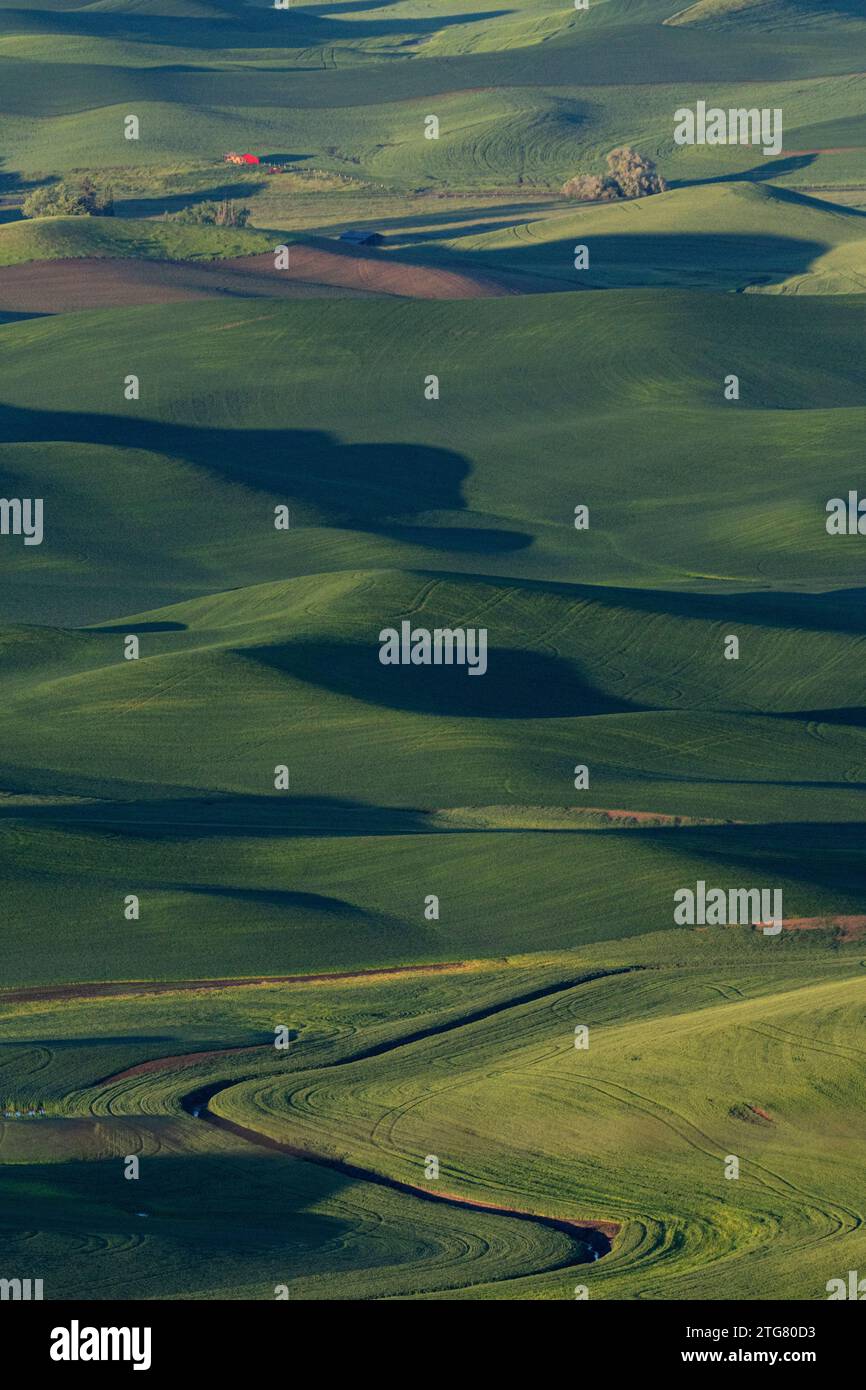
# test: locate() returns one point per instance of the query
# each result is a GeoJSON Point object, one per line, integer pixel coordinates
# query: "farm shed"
{"type": "Point", "coordinates": [359, 237]}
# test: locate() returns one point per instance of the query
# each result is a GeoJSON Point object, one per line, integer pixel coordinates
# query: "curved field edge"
{"type": "Point", "coordinates": [791, 1217]}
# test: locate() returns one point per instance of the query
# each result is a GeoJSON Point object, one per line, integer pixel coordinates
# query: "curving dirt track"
{"type": "Point", "coordinates": [62, 286]}
{"type": "Point", "coordinates": [594, 1238]}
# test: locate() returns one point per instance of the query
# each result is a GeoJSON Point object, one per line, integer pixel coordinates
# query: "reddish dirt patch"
{"type": "Point", "coordinates": [597, 1234]}
{"type": "Point", "coordinates": [607, 1228]}
{"type": "Point", "coordinates": [646, 817]}
{"type": "Point", "coordinates": [53, 287]}
{"type": "Point", "coordinates": [836, 149]}
{"type": "Point", "coordinates": [851, 928]}
{"type": "Point", "coordinates": [756, 1110]}
{"type": "Point", "coordinates": [380, 273]}
{"type": "Point", "coordinates": [188, 1059]}
{"type": "Point", "coordinates": [97, 989]}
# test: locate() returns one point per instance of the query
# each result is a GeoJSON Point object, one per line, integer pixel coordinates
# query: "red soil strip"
{"type": "Point", "coordinates": [607, 1228]}
{"type": "Point", "coordinates": [838, 149]}
{"type": "Point", "coordinates": [379, 273]}
{"type": "Point", "coordinates": [96, 989]}
{"type": "Point", "coordinates": [643, 817]}
{"type": "Point", "coordinates": [610, 1229]}
{"type": "Point", "coordinates": [848, 928]}
{"type": "Point", "coordinates": [600, 1233]}
{"type": "Point", "coordinates": [53, 287]}
{"type": "Point", "coordinates": [188, 1059]}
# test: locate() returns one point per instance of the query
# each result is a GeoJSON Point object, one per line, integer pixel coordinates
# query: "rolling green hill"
{"type": "Point", "coordinates": [55, 238]}
{"type": "Point", "coordinates": [636, 1130]}
{"type": "Point", "coordinates": [238, 413]}
{"type": "Point", "coordinates": [254, 832]}
{"type": "Point", "coordinates": [740, 236]}
{"type": "Point", "coordinates": [526, 95]}
{"type": "Point", "coordinates": [174, 755]}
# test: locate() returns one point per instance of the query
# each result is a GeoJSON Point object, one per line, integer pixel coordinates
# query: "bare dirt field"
{"type": "Point", "coordinates": [61, 286]}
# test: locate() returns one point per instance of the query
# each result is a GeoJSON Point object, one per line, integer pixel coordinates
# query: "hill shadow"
{"type": "Point", "coordinates": [351, 484]}
{"type": "Point", "coordinates": [461, 539]}
{"type": "Point", "coordinates": [760, 173]}
{"type": "Point", "coordinates": [101, 1040]}
{"type": "Point", "coordinates": [631, 260]}
{"type": "Point", "coordinates": [838, 610]}
{"type": "Point", "coordinates": [452, 222]}
{"type": "Point", "coordinates": [136, 627]}
{"type": "Point", "coordinates": [230, 815]}
{"type": "Point", "coordinates": [176, 202]}
{"type": "Point", "coordinates": [17, 315]}
{"type": "Point", "coordinates": [795, 198]}
{"type": "Point", "coordinates": [255, 1206]}
{"type": "Point", "coordinates": [518, 684]}
{"type": "Point", "coordinates": [824, 856]}
{"type": "Point", "coordinates": [381, 488]}
{"type": "Point", "coordinates": [250, 27]}
{"type": "Point", "coordinates": [291, 899]}
{"type": "Point", "coordinates": [854, 717]}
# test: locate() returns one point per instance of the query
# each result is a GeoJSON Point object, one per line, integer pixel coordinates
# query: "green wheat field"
{"type": "Point", "coordinates": [338, 1014]}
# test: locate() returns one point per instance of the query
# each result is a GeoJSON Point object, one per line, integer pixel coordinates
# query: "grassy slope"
{"type": "Point", "coordinates": [770, 13]}
{"type": "Point", "coordinates": [155, 777]}
{"type": "Point", "coordinates": [726, 236]}
{"type": "Point", "coordinates": [628, 678]}
{"type": "Point", "coordinates": [175, 756]}
{"type": "Point", "coordinates": [534, 94]}
{"type": "Point", "coordinates": [324, 1236]}
{"type": "Point", "coordinates": [239, 412]}
{"type": "Point", "coordinates": [635, 1129]}
{"type": "Point", "coordinates": [639, 1126]}
{"type": "Point", "coordinates": [54, 238]}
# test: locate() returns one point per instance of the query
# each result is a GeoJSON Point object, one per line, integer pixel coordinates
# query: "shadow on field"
{"type": "Point", "coordinates": [235, 815]}
{"type": "Point", "coordinates": [16, 315]}
{"type": "Point", "coordinates": [760, 173]}
{"type": "Point", "coordinates": [101, 1040]}
{"type": "Point", "coordinates": [381, 488]}
{"type": "Point", "coordinates": [518, 684]}
{"type": "Point", "coordinates": [633, 260]}
{"type": "Point", "coordinates": [206, 1218]}
{"type": "Point", "coordinates": [13, 181]}
{"type": "Point", "coordinates": [838, 610]}
{"type": "Point", "coordinates": [306, 26]}
{"type": "Point", "coordinates": [485, 540]}
{"type": "Point", "coordinates": [175, 202]}
{"type": "Point", "coordinates": [459, 221]}
{"type": "Point", "coordinates": [277, 897]}
{"type": "Point", "coordinates": [362, 484]}
{"type": "Point", "coordinates": [854, 716]}
{"type": "Point", "coordinates": [826, 858]}
{"type": "Point", "coordinates": [600, 56]}
{"type": "Point", "coordinates": [137, 627]}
